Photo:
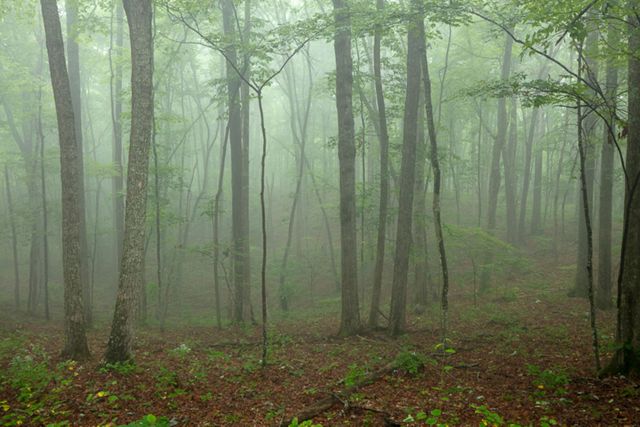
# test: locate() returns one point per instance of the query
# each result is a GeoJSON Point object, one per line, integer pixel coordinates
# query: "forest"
{"type": "Point", "coordinates": [319, 213]}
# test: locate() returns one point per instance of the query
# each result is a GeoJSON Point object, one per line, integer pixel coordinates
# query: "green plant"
{"type": "Point", "coordinates": [549, 379]}
{"type": "Point", "coordinates": [431, 419]}
{"type": "Point", "coordinates": [410, 361]}
{"type": "Point", "coordinates": [180, 351]}
{"type": "Point", "coordinates": [307, 423]}
{"type": "Point", "coordinates": [148, 421]}
{"type": "Point", "coordinates": [355, 374]}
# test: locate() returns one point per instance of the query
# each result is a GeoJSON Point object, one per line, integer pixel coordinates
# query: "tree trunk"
{"type": "Point", "coordinates": [510, 176]}
{"type": "Point", "coordinates": [435, 165]}
{"type": "Point", "coordinates": [350, 318]}
{"type": "Point", "coordinates": [536, 208]}
{"type": "Point", "coordinates": [384, 174]}
{"type": "Point", "coordinates": [397, 317]}
{"type": "Point", "coordinates": [117, 181]}
{"type": "Point", "coordinates": [139, 18]}
{"type": "Point", "coordinates": [75, 346]}
{"type": "Point", "coordinates": [627, 359]}
{"type": "Point", "coordinates": [14, 239]}
{"type": "Point", "coordinates": [239, 231]}
{"type": "Point", "coordinates": [498, 147]}
{"type": "Point", "coordinates": [73, 65]}
{"type": "Point", "coordinates": [421, 272]}
{"type": "Point", "coordinates": [604, 294]}
{"type": "Point", "coordinates": [589, 125]}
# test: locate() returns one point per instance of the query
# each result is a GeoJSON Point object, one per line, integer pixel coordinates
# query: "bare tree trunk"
{"type": "Point", "coordinates": [384, 174]}
{"type": "Point", "coordinates": [75, 339]}
{"type": "Point", "coordinates": [14, 239]}
{"type": "Point", "coordinates": [495, 176]}
{"type": "Point", "coordinates": [589, 124]}
{"type": "Point", "coordinates": [239, 233]}
{"type": "Point", "coordinates": [626, 359]}
{"type": "Point", "coordinates": [45, 219]}
{"type": "Point", "coordinates": [510, 177]}
{"type": "Point", "coordinates": [435, 164]}
{"type": "Point", "coordinates": [397, 317]}
{"type": "Point", "coordinates": [421, 276]}
{"type": "Point", "coordinates": [350, 319]}
{"type": "Point", "coordinates": [604, 294]}
{"type": "Point", "coordinates": [139, 17]}
{"type": "Point", "coordinates": [536, 209]}
{"type": "Point", "coordinates": [73, 59]}
{"type": "Point", "coordinates": [117, 181]}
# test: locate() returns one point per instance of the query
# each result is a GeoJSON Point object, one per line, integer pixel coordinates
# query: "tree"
{"type": "Point", "coordinates": [131, 277]}
{"type": "Point", "coordinates": [350, 319]}
{"type": "Point", "coordinates": [384, 173]}
{"type": "Point", "coordinates": [73, 65]}
{"type": "Point", "coordinates": [627, 358]}
{"type": "Point", "coordinates": [75, 346]}
{"type": "Point", "coordinates": [603, 296]}
{"type": "Point", "coordinates": [397, 318]}
{"type": "Point", "coordinates": [239, 206]}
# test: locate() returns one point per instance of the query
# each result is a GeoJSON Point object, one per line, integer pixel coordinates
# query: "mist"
{"type": "Point", "coordinates": [319, 213]}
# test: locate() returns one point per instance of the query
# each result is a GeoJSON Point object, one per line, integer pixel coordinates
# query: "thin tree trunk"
{"type": "Point", "coordinates": [14, 240]}
{"type": "Point", "coordinates": [384, 174]}
{"type": "Point", "coordinates": [117, 181]}
{"type": "Point", "coordinates": [397, 317]}
{"type": "Point", "coordinates": [139, 18]}
{"type": "Point", "coordinates": [350, 318]}
{"type": "Point", "coordinates": [604, 294]}
{"type": "Point", "coordinates": [435, 164]}
{"type": "Point", "coordinates": [75, 338]}
{"type": "Point", "coordinates": [510, 177]}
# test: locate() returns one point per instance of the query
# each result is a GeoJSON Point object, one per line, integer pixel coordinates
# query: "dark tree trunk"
{"type": "Point", "coordinates": [384, 174]}
{"type": "Point", "coordinates": [421, 272]}
{"type": "Point", "coordinates": [239, 231]}
{"type": "Point", "coordinates": [397, 317]}
{"type": "Point", "coordinates": [350, 318]}
{"type": "Point", "coordinates": [75, 338]}
{"type": "Point", "coordinates": [139, 18]}
{"type": "Point", "coordinates": [627, 359]}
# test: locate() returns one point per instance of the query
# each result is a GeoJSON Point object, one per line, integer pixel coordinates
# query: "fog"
{"type": "Point", "coordinates": [264, 179]}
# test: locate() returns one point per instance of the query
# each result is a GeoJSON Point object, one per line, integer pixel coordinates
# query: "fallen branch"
{"type": "Point", "coordinates": [332, 399]}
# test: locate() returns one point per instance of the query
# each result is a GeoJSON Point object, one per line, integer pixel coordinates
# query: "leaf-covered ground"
{"type": "Point", "coordinates": [522, 355]}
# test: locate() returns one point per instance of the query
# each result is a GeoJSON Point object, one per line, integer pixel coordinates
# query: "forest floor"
{"type": "Point", "coordinates": [522, 356]}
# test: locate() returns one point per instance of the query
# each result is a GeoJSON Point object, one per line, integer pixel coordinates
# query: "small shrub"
{"type": "Point", "coordinates": [149, 421]}
{"type": "Point", "coordinates": [410, 361]}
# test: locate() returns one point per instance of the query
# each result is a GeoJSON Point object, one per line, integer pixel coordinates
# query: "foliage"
{"type": "Point", "coordinates": [549, 379]}
{"type": "Point", "coordinates": [410, 361]}
{"type": "Point", "coordinates": [307, 423]}
{"type": "Point", "coordinates": [122, 368]}
{"type": "Point", "coordinates": [354, 375]}
{"type": "Point", "coordinates": [149, 421]}
{"type": "Point", "coordinates": [430, 419]}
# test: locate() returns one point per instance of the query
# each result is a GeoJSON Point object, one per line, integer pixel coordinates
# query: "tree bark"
{"type": "Point", "coordinates": [238, 229]}
{"type": "Point", "coordinates": [384, 174]}
{"type": "Point", "coordinates": [397, 317]}
{"type": "Point", "coordinates": [75, 346]}
{"type": "Point", "coordinates": [117, 181]}
{"type": "Point", "coordinates": [510, 177]}
{"type": "Point", "coordinates": [73, 65]}
{"type": "Point", "coordinates": [131, 280]}
{"type": "Point", "coordinates": [350, 317]}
